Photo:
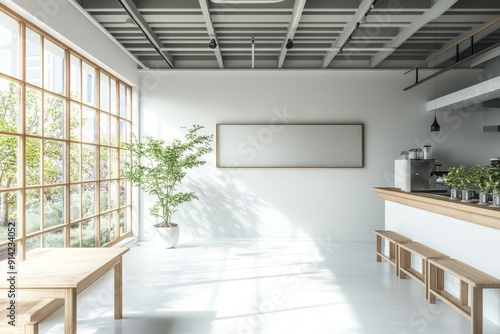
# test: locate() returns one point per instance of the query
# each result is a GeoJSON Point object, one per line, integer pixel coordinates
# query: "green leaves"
{"type": "Point", "coordinates": [157, 168]}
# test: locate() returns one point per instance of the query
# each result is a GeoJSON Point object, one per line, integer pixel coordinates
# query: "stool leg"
{"type": "Point", "coordinates": [477, 311]}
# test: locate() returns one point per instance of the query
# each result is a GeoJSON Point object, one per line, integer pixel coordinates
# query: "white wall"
{"type": "Point", "coordinates": [282, 203]}
{"type": "Point", "coordinates": [66, 23]}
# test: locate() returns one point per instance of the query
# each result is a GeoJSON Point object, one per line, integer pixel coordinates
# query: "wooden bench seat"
{"type": "Point", "coordinates": [394, 239]}
{"type": "Point", "coordinates": [28, 314]}
{"type": "Point", "coordinates": [405, 262]}
{"type": "Point", "coordinates": [469, 277]}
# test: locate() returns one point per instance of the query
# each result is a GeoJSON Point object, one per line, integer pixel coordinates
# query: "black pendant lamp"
{"type": "Point", "coordinates": [435, 125]}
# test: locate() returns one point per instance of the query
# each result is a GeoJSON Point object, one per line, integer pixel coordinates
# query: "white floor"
{"type": "Point", "coordinates": [240, 287]}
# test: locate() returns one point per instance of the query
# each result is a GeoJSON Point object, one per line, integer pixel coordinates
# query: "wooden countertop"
{"type": "Point", "coordinates": [470, 212]}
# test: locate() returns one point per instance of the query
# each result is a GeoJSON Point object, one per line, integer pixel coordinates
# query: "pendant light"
{"type": "Point", "coordinates": [435, 125]}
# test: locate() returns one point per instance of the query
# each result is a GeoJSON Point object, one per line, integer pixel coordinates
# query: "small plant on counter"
{"type": "Point", "coordinates": [493, 185]}
{"type": "Point", "coordinates": [456, 177]}
{"type": "Point", "coordinates": [478, 178]}
{"type": "Point", "coordinates": [493, 181]}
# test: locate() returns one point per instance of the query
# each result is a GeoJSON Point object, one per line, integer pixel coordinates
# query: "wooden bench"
{"type": "Point", "coordinates": [469, 277]}
{"type": "Point", "coordinates": [405, 262]}
{"type": "Point", "coordinates": [394, 239]}
{"type": "Point", "coordinates": [28, 314]}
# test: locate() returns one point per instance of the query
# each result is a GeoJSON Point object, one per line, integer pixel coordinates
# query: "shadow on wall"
{"type": "Point", "coordinates": [225, 209]}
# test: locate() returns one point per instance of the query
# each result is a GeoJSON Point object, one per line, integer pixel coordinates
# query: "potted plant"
{"type": "Point", "coordinates": [493, 185]}
{"type": "Point", "coordinates": [477, 178]}
{"type": "Point", "coordinates": [455, 180]}
{"type": "Point", "coordinates": [158, 168]}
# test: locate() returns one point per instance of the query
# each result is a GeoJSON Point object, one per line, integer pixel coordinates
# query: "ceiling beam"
{"type": "Point", "coordinates": [134, 13]}
{"type": "Point", "coordinates": [211, 31]}
{"type": "Point", "coordinates": [298, 8]}
{"type": "Point", "coordinates": [348, 30]}
{"type": "Point", "coordinates": [431, 14]}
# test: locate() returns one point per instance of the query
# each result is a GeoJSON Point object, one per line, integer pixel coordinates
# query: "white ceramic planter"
{"type": "Point", "coordinates": [167, 236]}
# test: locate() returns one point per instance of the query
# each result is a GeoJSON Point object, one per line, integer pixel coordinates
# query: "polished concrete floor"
{"type": "Point", "coordinates": [243, 287]}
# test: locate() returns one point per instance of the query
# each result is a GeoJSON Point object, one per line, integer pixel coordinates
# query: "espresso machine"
{"type": "Point", "coordinates": [414, 174]}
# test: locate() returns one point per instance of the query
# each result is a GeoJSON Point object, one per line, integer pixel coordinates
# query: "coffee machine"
{"type": "Point", "coordinates": [414, 174]}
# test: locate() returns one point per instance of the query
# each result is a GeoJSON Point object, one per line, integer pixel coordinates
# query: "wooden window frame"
{"type": "Point", "coordinates": [21, 187]}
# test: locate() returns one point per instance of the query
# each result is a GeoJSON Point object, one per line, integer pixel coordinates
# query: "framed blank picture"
{"type": "Point", "coordinates": [289, 145]}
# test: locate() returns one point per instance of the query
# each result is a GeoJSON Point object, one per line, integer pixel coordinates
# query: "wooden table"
{"type": "Point", "coordinates": [64, 273]}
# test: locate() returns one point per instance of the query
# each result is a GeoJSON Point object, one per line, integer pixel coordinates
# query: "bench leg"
{"type": "Point", "coordinates": [404, 261]}
{"type": "Point", "coordinates": [432, 279]}
{"type": "Point", "coordinates": [379, 248]}
{"type": "Point", "coordinates": [118, 290]}
{"type": "Point", "coordinates": [31, 328]}
{"type": "Point", "coordinates": [477, 311]}
{"type": "Point", "coordinates": [70, 311]}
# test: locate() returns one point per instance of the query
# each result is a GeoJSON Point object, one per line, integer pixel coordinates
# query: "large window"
{"type": "Point", "coordinates": [63, 121]}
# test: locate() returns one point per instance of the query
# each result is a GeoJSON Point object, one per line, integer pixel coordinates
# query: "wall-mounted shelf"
{"type": "Point", "coordinates": [483, 91]}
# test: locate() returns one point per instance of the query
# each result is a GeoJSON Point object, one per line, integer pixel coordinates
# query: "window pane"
{"type": "Point", "coordinates": [75, 78]}
{"type": "Point", "coordinates": [33, 242]}
{"type": "Point", "coordinates": [113, 193]}
{"type": "Point", "coordinates": [53, 171]}
{"type": "Point", "coordinates": [88, 84]}
{"type": "Point", "coordinates": [33, 162]}
{"type": "Point", "coordinates": [112, 226]}
{"type": "Point", "coordinates": [88, 233]}
{"type": "Point", "coordinates": [123, 101]}
{"type": "Point", "coordinates": [89, 163]}
{"type": "Point", "coordinates": [123, 221]}
{"type": "Point", "coordinates": [104, 196]}
{"type": "Point", "coordinates": [8, 214]}
{"type": "Point", "coordinates": [104, 230]}
{"type": "Point", "coordinates": [113, 97]}
{"type": "Point", "coordinates": [54, 239]}
{"type": "Point", "coordinates": [33, 210]}
{"type": "Point", "coordinates": [53, 206]}
{"type": "Point", "coordinates": [104, 95]}
{"type": "Point", "coordinates": [54, 68]}
{"type": "Point", "coordinates": [104, 129]}
{"type": "Point", "coordinates": [33, 58]}
{"type": "Point", "coordinates": [123, 193]}
{"type": "Point", "coordinates": [113, 163]}
{"type": "Point", "coordinates": [33, 112]}
{"type": "Point", "coordinates": [88, 125]}
{"type": "Point", "coordinates": [74, 122]}
{"type": "Point", "coordinates": [74, 163]}
{"type": "Point", "coordinates": [113, 135]}
{"type": "Point", "coordinates": [10, 98]}
{"type": "Point", "coordinates": [124, 132]}
{"type": "Point", "coordinates": [54, 115]}
{"type": "Point", "coordinates": [9, 46]}
{"type": "Point", "coordinates": [124, 155]}
{"type": "Point", "coordinates": [88, 199]}
{"type": "Point", "coordinates": [74, 235]}
{"type": "Point", "coordinates": [9, 153]}
{"type": "Point", "coordinates": [74, 202]}
{"type": "Point", "coordinates": [104, 167]}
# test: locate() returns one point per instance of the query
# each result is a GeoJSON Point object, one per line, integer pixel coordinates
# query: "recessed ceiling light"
{"type": "Point", "coordinates": [244, 2]}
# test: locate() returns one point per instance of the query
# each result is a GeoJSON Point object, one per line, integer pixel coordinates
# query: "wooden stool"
{"type": "Point", "coordinates": [394, 239]}
{"type": "Point", "coordinates": [422, 251]}
{"type": "Point", "coordinates": [468, 276]}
